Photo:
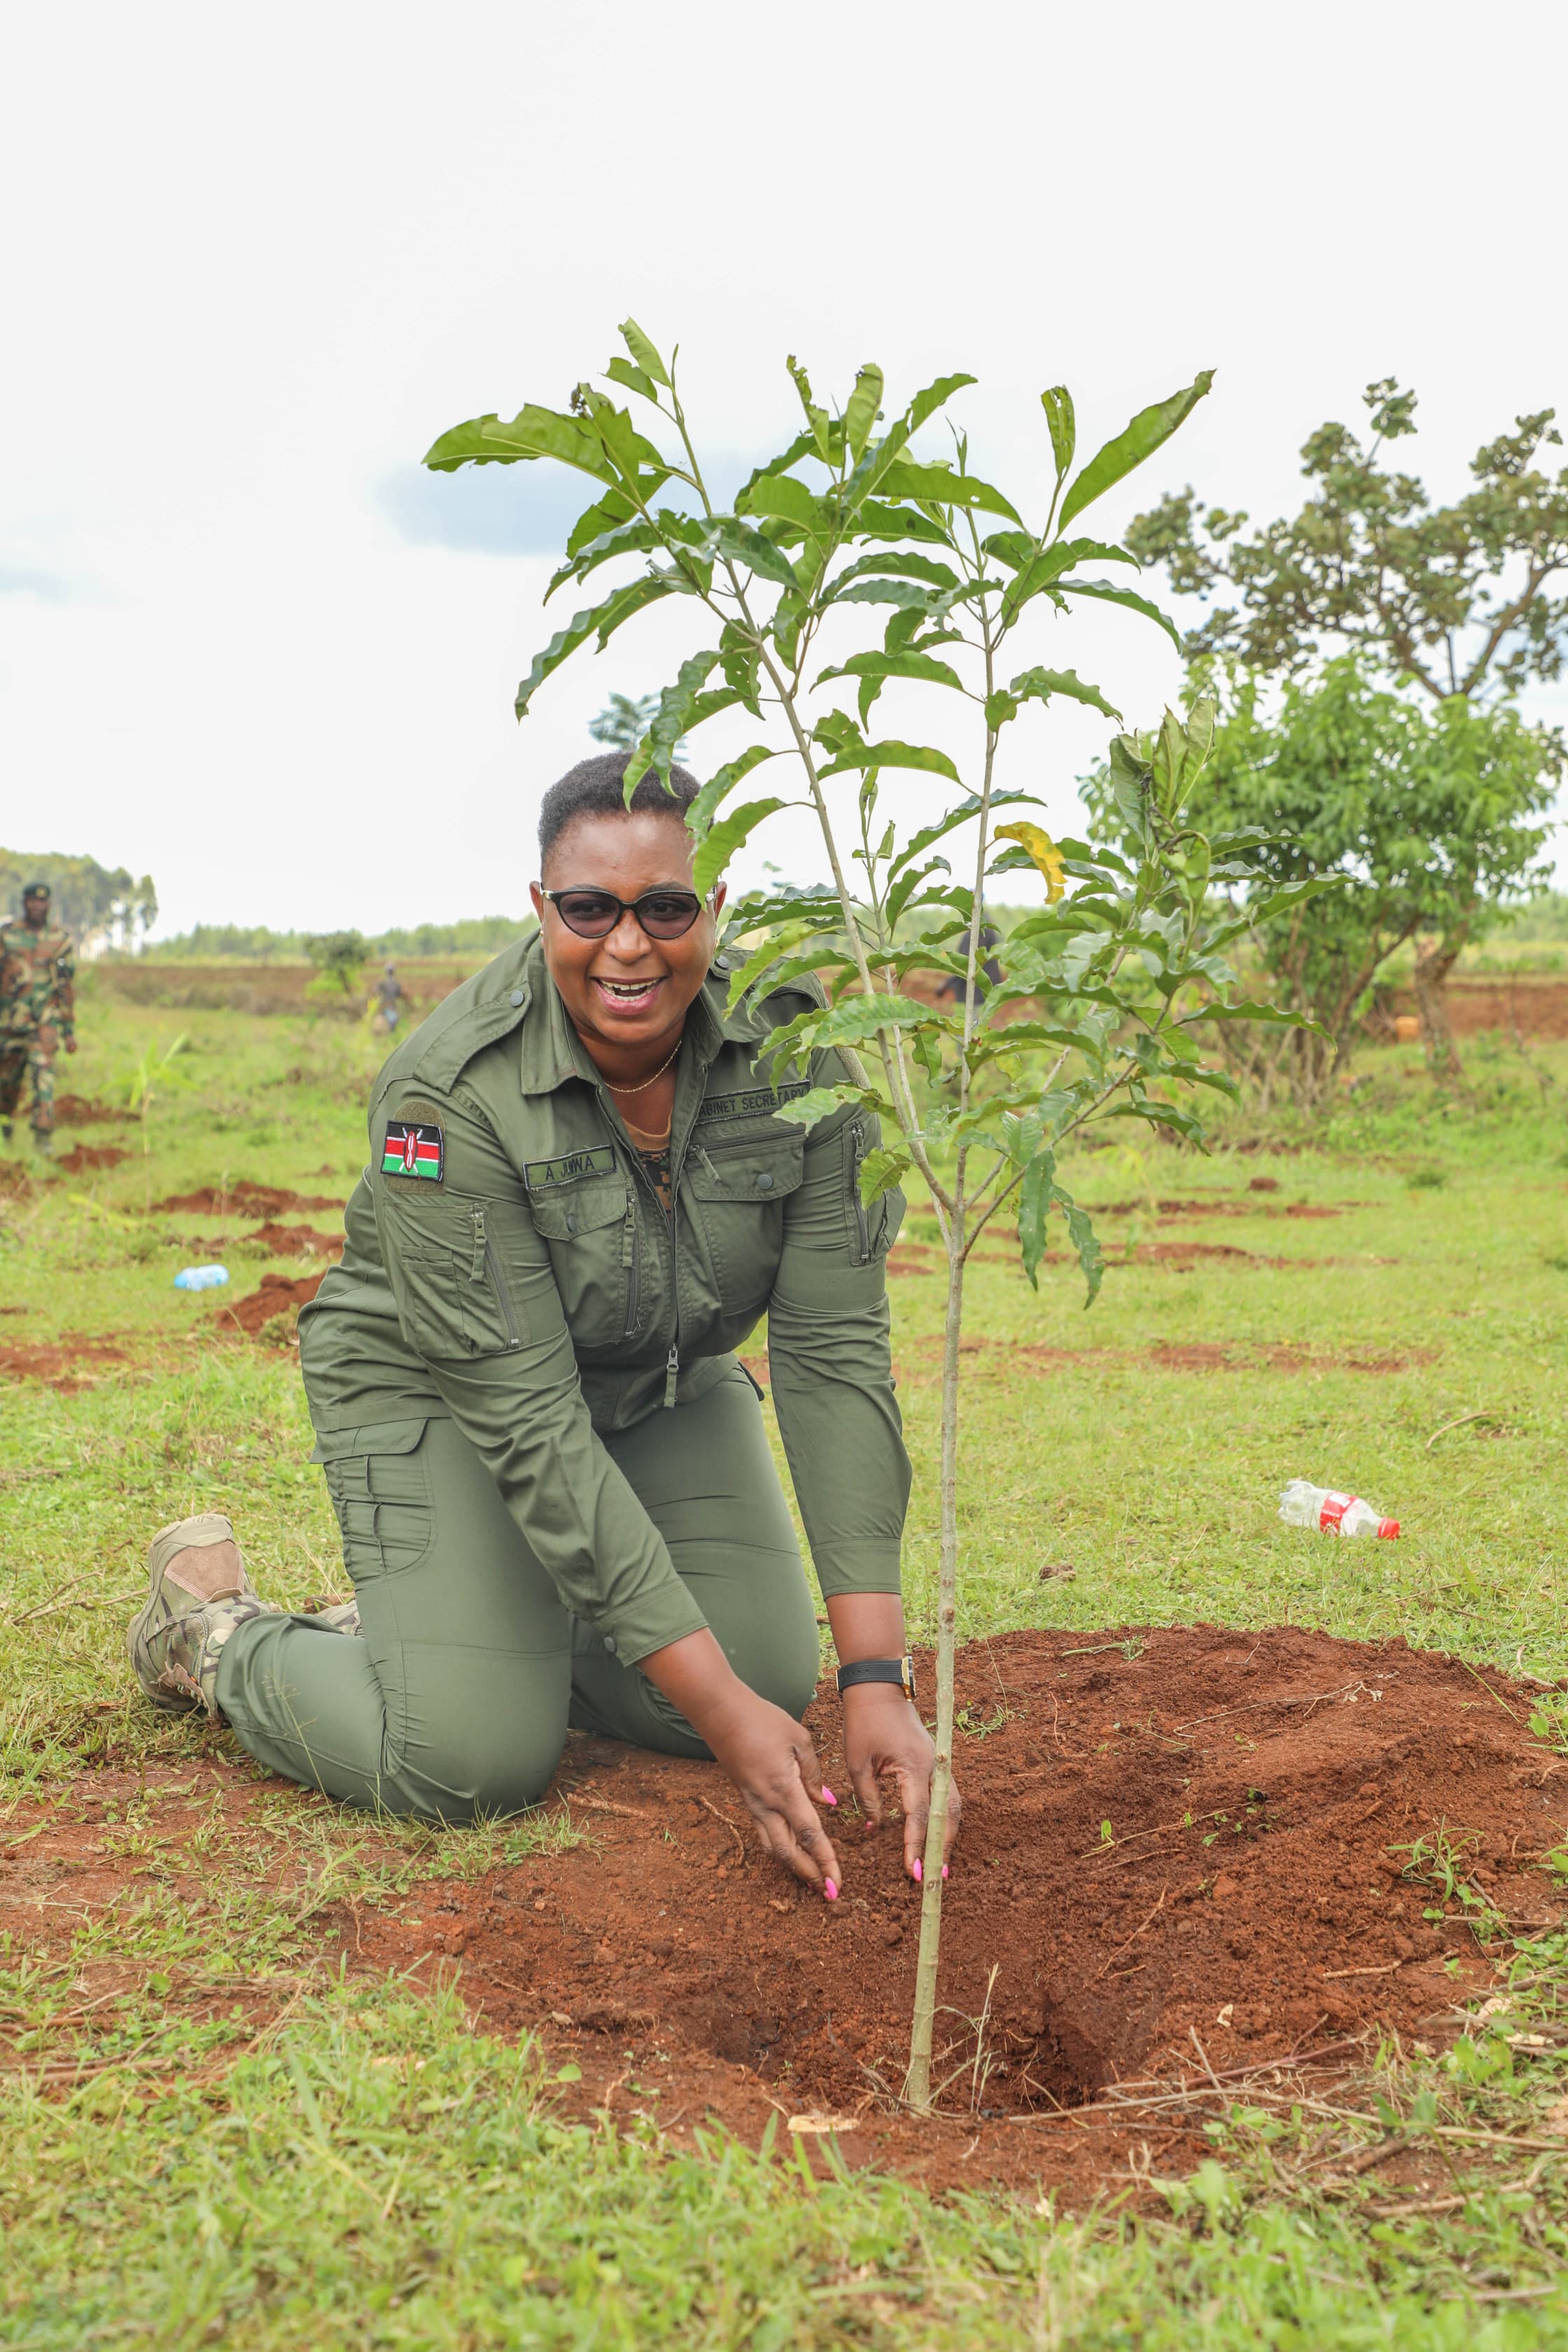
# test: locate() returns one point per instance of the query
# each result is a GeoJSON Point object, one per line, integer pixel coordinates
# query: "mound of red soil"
{"type": "Point", "coordinates": [78, 1110]}
{"type": "Point", "coordinates": [296, 1241]}
{"type": "Point", "coordinates": [243, 1200]}
{"type": "Point", "coordinates": [90, 1155]}
{"type": "Point", "coordinates": [1173, 1840]}
{"type": "Point", "coordinates": [66, 1363]}
{"type": "Point", "coordinates": [278, 1296]}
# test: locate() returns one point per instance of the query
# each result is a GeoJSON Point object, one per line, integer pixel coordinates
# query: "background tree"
{"type": "Point", "coordinates": [1423, 819]}
{"type": "Point", "coordinates": [1456, 601]}
{"type": "Point", "coordinates": [99, 905]}
{"type": "Point", "coordinates": [847, 523]}
{"type": "Point", "coordinates": [338, 957]}
{"type": "Point", "coordinates": [623, 721]}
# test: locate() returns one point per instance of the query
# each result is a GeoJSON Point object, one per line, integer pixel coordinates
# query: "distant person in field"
{"type": "Point", "coordinates": [388, 1001]}
{"type": "Point", "coordinates": [551, 1473]}
{"type": "Point", "coordinates": [957, 989]}
{"type": "Point", "coordinates": [37, 1012]}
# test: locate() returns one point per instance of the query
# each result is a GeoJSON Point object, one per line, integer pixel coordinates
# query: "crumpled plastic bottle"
{"type": "Point", "coordinates": [200, 1278]}
{"type": "Point", "coordinates": [1302, 1504]}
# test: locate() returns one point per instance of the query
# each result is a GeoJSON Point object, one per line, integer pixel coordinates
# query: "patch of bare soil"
{"type": "Point", "coordinates": [1183, 1851]}
{"type": "Point", "coordinates": [243, 1200]}
{"type": "Point", "coordinates": [1217, 1205]}
{"type": "Point", "coordinates": [920, 1257]}
{"type": "Point", "coordinates": [277, 1297]}
{"type": "Point", "coordinates": [79, 1111]}
{"type": "Point", "coordinates": [68, 1363]}
{"type": "Point", "coordinates": [296, 1241]}
{"type": "Point", "coordinates": [84, 1156]}
{"type": "Point", "coordinates": [16, 1184]}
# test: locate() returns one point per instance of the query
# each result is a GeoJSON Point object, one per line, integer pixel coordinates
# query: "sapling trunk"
{"type": "Point", "coordinates": [916, 2081]}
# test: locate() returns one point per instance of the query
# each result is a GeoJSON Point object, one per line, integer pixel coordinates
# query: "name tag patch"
{"type": "Point", "coordinates": [760, 1102]}
{"type": "Point", "coordinates": [543, 1175]}
{"type": "Point", "coordinates": [413, 1150]}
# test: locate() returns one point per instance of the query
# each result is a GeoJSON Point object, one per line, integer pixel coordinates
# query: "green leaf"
{"type": "Point", "coordinates": [892, 754]}
{"type": "Point", "coordinates": [605, 618]}
{"type": "Point", "coordinates": [671, 720]}
{"type": "Point", "coordinates": [720, 842]}
{"type": "Point", "coordinates": [1109, 593]}
{"type": "Point", "coordinates": [1081, 1234]}
{"type": "Point", "coordinates": [621, 371]}
{"type": "Point", "coordinates": [1247, 1010]}
{"type": "Point", "coordinates": [959, 814]}
{"type": "Point", "coordinates": [727, 536]}
{"type": "Point", "coordinates": [851, 1022]}
{"type": "Point", "coordinates": [819, 1102]}
{"type": "Point", "coordinates": [1058, 406]}
{"type": "Point", "coordinates": [1148, 431]}
{"type": "Point", "coordinates": [875, 519]}
{"type": "Point", "coordinates": [816, 418]}
{"type": "Point", "coordinates": [875, 669]}
{"type": "Point", "coordinates": [1043, 572]}
{"type": "Point", "coordinates": [897, 563]}
{"type": "Point", "coordinates": [907, 594]}
{"type": "Point", "coordinates": [780, 494]}
{"type": "Point", "coordinates": [1039, 685]}
{"type": "Point", "coordinates": [1033, 1202]}
{"type": "Point", "coordinates": [941, 486]}
{"type": "Point", "coordinates": [643, 351]}
{"type": "Point", "coordinates": [880, 1169]}
{"type": "Point", "coordinates": [860, 410]}
{"type": "Point", "coordinates": [532, 433]}
{"type": "Point", "coordinates": [936, 396]}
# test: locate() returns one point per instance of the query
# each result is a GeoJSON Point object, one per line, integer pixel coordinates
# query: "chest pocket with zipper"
{"type": "Point", "coordinates": [447, 1259]}
{"type": "Point", "coordinates": [593, 1244]}
{"type": "Point", "coordinates": [737, 1191]}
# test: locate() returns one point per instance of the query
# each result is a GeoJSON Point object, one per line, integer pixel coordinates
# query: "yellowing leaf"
{"type": "Point", "coordinates": [1039, 845]}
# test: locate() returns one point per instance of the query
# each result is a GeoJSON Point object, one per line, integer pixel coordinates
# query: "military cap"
{"type": "Point", "coordinates": [37, 890]}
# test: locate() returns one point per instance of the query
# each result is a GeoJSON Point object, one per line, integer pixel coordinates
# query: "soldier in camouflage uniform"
{"type": "Point", "coordinates": [37, 1012]}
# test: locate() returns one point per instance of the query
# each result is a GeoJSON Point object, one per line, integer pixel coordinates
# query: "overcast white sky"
{"type": "Point", "coordinates": [255, 260]}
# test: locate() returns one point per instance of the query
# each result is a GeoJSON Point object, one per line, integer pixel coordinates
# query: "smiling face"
{"type": "Point", "coordinates": [625, 993]}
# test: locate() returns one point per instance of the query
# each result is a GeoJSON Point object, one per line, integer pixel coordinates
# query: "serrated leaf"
{"type": "Point", "coordinates": [1108, 593]}
{"type": "Point", "coordinates": [819, 1102]}
{"type": "Point", "coordinates": [873, 670]}
{"type": "Point", "coordinates": [897, 563]}
{"type": "Point", "coordinates": [960, 814]}
{"type": "Point", "coordinates": [1034, 1202]}
{"type": "Point", "coordinates": [1147, 432]}
{"type": "Point", "coordinates": [891, 754]}
{"type": "Point", "coordinates": [881, 1169]}
{"type": "Point", "coordinates": [643, 351]}
{"type": "Point", "coordinates": [941, 486]}
{"type": "Point", "coordinates": [675, 711]}
{"type": "Point", "coordinates": [532, 433]}
{"type": "Point", "coordinates": [936, 396]}
{"type": "Point", "coordinates": [605, 619]}
{"type": "Point", "coordinates": [1063, 423]}
{"type": "Point", "coordinates": [1039, 685]}
{"type": "Point", "coordinates": [860, 410]}
{"type": "Point", "coordinates": [720, 842]}
{"type": "Point", "coordinates": [1043, 853]}
{"type": "Point", "coordinates": [717, 788]}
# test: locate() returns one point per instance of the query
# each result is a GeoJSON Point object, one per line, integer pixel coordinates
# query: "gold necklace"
{"type": "Point", "coordinates": [643, 1084]}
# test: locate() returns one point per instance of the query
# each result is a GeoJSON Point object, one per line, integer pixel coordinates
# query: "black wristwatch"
{"type": "Point", "coordinates": [878, 1670]}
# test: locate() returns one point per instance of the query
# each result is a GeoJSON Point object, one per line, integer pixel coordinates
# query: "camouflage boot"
{"type": "Point", "coordinates": [44, 1143]}
{"type": "Point", "coordinates": [198, 1592]}
{"type": "Point", "coordinates": [342, 1616]}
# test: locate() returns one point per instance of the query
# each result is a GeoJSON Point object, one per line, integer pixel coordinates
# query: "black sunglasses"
{"type": "Point", "coordinates": [594, 914]}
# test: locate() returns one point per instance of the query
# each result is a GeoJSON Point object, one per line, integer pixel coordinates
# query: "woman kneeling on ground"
{"type": "Point", "coordinates": [556, 1497]}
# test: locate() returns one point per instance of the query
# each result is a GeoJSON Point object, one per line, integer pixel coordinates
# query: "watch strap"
{"type": "Point", "coordinates": [901, 1670]}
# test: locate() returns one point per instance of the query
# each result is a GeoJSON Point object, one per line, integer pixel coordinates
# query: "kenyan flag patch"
{"type": "Point", "coordinates": [411, 1151]}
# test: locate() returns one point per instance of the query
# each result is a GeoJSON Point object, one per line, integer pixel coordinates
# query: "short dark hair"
{"type": "Point", "coordinates": [596, 787]}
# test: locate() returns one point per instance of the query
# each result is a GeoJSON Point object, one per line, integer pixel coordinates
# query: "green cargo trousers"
{"type": "Point", "coordinates": [457, 1699]}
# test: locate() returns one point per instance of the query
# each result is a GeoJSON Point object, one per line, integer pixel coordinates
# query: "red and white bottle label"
{"type": "Point", "coordinates": [1333, 1511]}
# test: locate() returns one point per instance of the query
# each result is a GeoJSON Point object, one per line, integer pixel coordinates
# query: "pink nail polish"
{"type": "Point", "coordinates": [917, 1871]}
{"type": "Point", "coordinates": [944, 1870]}
{"type": "Point", "coordinates": [828, 1795]}
{"type": "Point", "coordinates": [830, 1890]}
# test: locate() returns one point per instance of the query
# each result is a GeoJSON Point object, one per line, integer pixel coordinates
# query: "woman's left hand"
{"type": "Point", "coordinates": [883, 1736]}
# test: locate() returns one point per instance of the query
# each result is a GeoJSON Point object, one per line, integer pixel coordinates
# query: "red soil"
{"type": "Point", "coordinates": [243, 1200]}
{"type": "Point", "coordinates": [1182, 1849]}
{"type": "Point", "coordinates": [90, 1155]}
{"type": "Point", "coordinates": [66, 1363]}
{"type": "Point", "coordinates": [296, 1241]}
{"type": "Point", "coordinates": [77, 1110]}
{"type": "Point", "coordinates": [278, 1296]}
{"type": "Point", "coordinates": [1168, 1835]}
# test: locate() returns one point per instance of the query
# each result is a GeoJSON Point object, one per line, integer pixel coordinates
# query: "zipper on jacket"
{"type": "Point", "coordinates": [862, 1226]}
{"type": "Point", "coordinates": [485, 1254]}
{"type": "Point", "coordinates": [671, 1218]}
{"type": "Point", "coordinates": [634, 1270]}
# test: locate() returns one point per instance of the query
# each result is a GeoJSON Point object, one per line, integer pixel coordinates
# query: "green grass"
{"type": "Point", "coordinates": [343, 2163]}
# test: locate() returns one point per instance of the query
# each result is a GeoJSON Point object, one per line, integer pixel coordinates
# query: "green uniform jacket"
{"type": "Point", "coordinates": [509, 1264]}
{"type": "Point", "coordinates": [37, 982]}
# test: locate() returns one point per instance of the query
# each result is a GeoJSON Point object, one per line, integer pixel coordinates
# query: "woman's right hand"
{"type": "Point", "coordinates": [772, 1761]}
{"type": "Point", "coordinates": [766, 1753]}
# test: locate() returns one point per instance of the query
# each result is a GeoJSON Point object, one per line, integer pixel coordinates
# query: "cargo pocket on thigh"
{"type": "Point", "coordinates": [379, 1481]}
